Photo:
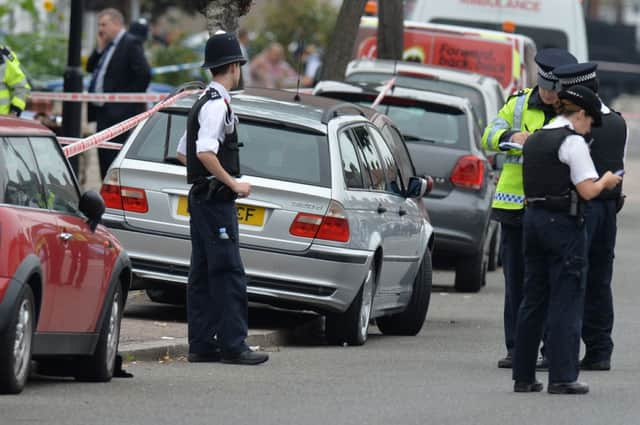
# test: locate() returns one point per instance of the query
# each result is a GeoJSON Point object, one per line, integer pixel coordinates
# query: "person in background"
{"type": "Point", "coordinates": [118, 64]}
{"type": "Point", "coordinates": [269, 69]}
{"type": "Point", "coordinates": [558, 177]}
{"type": "Point", "coordinates": [14, 87]}
{"type": "Point", "coordinates": [312, 65]}
{"type": "Point", "coordinates": [608, 149]}
{"type": "Point", "coordinates": [243, 38]}
{"type": "Point", "coordinates": [525, 112]}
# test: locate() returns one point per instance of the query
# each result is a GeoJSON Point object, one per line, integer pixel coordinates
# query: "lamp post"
{"type": "Point", "coordinates": [72, 111]}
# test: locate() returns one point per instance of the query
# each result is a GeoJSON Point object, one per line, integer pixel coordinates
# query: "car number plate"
{"type": "Point", "coordinates": [247, 214]}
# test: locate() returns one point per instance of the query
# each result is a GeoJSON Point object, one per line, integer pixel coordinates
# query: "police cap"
{"type": "Point", "coordinates": [548, 60]}
{"type": "Point", "coordinates": [579, 73]}
{"type": "Point", "coordinates": [221, 49]}
{"type": "Point", "coordinates": [586, 99]}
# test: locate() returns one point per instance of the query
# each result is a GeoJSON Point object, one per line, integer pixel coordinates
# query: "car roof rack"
{"type": "Point", "coordinates": [336, 110]}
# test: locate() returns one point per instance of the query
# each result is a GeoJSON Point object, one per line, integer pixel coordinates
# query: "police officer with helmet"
{"type": "Point", "coordinates": [608, 147]}
{"type": "Point", "coordinates": [525, 112]}
{"type": "Point", "coordinates": [217, 288]}
{"type": "Point", "coordinates": [558, 177]}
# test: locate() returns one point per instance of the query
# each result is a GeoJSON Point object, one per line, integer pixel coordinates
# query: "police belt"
{"type": "Point", "coordinates": [212, 189]}
{"type": "Point", "coordinates": [569, 203]}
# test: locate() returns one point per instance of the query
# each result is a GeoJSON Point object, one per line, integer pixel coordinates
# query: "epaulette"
{"type": "Point", "coordinates": [5, 52]}
{"type": "Point", "coordinates": [521, 92]}
{"type": "Point", "coordinates": [214, 94]}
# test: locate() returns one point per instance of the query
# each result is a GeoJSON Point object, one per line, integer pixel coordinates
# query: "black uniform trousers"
{"type": "Point", "coordinates": [554, 287]}
{"type": "Point", "coordinates": [513, 269]}
{"type": "Point", "coordinates": [601, 225]}
{"type": "Point", "coordinates": [217, 293]}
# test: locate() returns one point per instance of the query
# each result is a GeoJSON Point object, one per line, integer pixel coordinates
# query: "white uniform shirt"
{"type": "Point", "coordinates": [214, 121]}
{"type": "Point", "coordinates": [574, 152]}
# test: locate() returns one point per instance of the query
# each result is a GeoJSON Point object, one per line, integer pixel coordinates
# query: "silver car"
{"type": "Point", "coordinates": [335, 221]}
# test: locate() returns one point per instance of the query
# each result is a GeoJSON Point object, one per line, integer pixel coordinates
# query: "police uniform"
{"type": "Point", "coordinates": [217, 289]}
{"type": "Point", "coordinates": [14, 88]}
{"type": "Point", "coordinates": [524, 111]}
{"type": "Point", "coordinates": [608, 148]}
{"type": "Point", "coordinates": [556, 159]}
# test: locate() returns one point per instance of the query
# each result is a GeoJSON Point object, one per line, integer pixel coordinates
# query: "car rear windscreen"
{"type": "Point", "coordinates": [429, 84]}
{"type": "Point", "coordinates": [269, 149]}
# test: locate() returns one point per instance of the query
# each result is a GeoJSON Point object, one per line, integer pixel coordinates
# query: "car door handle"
{"type": "Point", "coordinates": [402, 212]}
{"type": "Point", "coordinates": [65, 236]}
{"type": "Point", "coordinates": [381, 209]}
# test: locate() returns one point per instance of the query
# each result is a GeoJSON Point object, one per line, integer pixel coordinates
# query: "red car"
{"type": "Point", "coordinates": [63, 276]}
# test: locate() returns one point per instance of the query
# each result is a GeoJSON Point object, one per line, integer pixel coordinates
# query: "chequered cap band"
{"type": "Point", "coordinates": [547, 75]}
{"type": "Point", "coordinates": [577, 80]}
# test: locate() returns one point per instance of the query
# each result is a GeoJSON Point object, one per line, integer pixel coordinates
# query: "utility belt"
{"type": "Point", "coordinates": [570, 204]}
{"type": "Point", "coordinates": [212, 189]}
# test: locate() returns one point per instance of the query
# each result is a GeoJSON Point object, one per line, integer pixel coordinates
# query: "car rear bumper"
{"type": "Point", "coordinates": [322, 278]}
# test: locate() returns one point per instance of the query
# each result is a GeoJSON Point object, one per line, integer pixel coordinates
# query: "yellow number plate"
{"type": "Point", "coordinates": [252, 216]}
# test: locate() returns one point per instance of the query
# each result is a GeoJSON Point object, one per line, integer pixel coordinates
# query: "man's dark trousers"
{"type": "Point", "coordinates": [217, 292]}
{"type": "Point", "coordinates": [513, 269]}
{"type": "Point", "coordinates": [600, 221]}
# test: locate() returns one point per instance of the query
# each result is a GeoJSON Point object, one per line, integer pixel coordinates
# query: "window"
{"type": "Point", "coordinates": [60, 188]}
{"type": "Point", "coordinates": [152, 143]}
{"type": "Point", "coordinates": [400, 153]}
{"type": "Point", "coordinates": [19, 182]}
{"type": "Point", "coordinates": [370, 157]}
{"type": "Point", "coordinates": [389, 166]}
{"type": "Point", "coordinates": [350, 164]}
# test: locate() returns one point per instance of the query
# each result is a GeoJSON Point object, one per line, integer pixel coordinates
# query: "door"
{"type": "Point", "coordinates": [79, 285]}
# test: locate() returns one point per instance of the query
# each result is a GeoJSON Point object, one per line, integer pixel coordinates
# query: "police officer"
{"type": "Point", "coordinates": [608, 147]}
{"type": "Point", "coordinates": [217, 289]}
{"type": "Point", "coordinates": [524, 113]}
{"type": "Point", "coordinates": [558, 174]}
{"type": "Point", "coordinates": [14, 88]}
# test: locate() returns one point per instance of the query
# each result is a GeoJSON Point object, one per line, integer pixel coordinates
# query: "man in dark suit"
{"type": "Point", "coordinates": [117, 64]}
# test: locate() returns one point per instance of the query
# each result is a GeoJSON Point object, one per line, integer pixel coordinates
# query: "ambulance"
{"type": "Point", "coordinates": [550, 23]}
{"type": "Point", "coordinates": [507, 57]}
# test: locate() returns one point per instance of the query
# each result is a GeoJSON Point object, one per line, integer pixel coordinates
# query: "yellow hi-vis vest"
{"type": "Point", "coordinates": [14, 88]}
{"type": "Point", "coordinates": [515, 115]}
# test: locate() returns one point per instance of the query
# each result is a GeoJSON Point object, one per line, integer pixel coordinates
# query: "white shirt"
{"type": "Point", "coordinates": [574, 152]}
{"type": "Point", "coordinates": [214, 123]}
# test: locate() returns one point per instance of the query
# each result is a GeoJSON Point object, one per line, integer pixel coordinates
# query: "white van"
{"type": "Point", "coordinates": [550, 23]}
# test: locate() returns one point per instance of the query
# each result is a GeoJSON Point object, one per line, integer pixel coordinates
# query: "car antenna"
{"type": "Point", "coordinates": [296, 98]}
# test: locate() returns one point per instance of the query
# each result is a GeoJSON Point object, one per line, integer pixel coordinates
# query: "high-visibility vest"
{"type": "Point", "coordinates": [515, 115]}
{"type": "Point", "coordinates": [14, 88]}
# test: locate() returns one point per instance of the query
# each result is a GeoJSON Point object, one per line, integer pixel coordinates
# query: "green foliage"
{"type": "Point", "coordinates": [285, 21]}
{"type": "Point", "coordinates": [42, 55]}
{"type": "Point", "coordinates": [172, 55]}
{"type": "Point", "coordinates": [28, 5]}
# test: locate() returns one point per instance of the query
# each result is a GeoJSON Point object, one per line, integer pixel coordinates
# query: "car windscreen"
{"type": "Point", "coordinates": [428, 84]}
{"type": "Point", "coordinates": [269, 149]}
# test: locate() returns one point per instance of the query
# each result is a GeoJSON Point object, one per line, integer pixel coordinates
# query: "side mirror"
{"type": "Point", "coordinates": [92, 205]}
{"type": "Point", "coordinates": [419, 187]}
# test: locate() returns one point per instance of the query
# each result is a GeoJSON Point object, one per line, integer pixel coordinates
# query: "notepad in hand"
{"type": "Point", "coordinates": [505, 146]}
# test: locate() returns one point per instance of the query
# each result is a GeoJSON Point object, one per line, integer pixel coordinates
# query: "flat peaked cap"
{"type": "Point", "coordinates": [548, 60]}
{"type": "Point", "coordinates": [578, 73]}
{"type": "Point", "coordinates": [586, 99]}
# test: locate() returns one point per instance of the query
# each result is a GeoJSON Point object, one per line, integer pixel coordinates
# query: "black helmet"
{"type": "Point", "coordinates": [222, 49]}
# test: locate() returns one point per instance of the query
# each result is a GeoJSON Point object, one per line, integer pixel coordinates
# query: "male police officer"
{"type": "Point", "coordinates": [14, 88]}
{"type": "Point", "coordinates": [524, 113]}
{"type": "Point", "coordinates": [608, 148]}
{"type": "Point", "coordinates": [217, 292]}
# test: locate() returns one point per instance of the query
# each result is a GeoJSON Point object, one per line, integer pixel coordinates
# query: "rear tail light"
{"type": "Point", "coordinates": [468, 172]}
{"type": "Point", "coordinates": [122, 197]}
{"type": "Point", "coordinates": [333, 226]}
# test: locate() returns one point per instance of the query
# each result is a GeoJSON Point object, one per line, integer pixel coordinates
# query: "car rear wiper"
{"type": "Point", "coordinates": [412, 138]}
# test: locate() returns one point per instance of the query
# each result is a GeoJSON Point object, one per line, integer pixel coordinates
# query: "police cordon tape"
{"type": "Point", "coordinates": [103, 145]}
{"type": "Point", "coordinates": [99, 97]}
{"type": "Point", "coordinates": [82, 145]}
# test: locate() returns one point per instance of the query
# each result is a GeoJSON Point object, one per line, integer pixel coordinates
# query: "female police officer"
{"type": "Point", "coordinates": [217, 291]}
{"type": "Point", "coordinates": [558, 175]}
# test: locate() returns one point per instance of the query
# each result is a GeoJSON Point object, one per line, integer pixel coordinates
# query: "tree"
{"type": "Point", "coordinates": [340, 49]}
{"type": "Point", "coordinates": [222, 14]}
{"type": "Point", "coordinates": [390, 29]}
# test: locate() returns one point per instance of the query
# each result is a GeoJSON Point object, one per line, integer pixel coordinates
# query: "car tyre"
{"type": "Point", "coordinates": [173, 296]}
{"type": "Point", "coordinates": [16, 343]}
{"type": "Point", "coordinates": [410, 321]}
{"type": "Point", "coordinates": [352, 326]}
{"type": "Point", "coordinates": [99, 367]}
{"type": "Point", "coordinates": [494, 250]}
{"type": "Point", "coordinates": [471, 272]}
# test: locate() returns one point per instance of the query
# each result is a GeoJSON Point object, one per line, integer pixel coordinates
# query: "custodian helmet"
{"type": "Point", "coordinates": [222, 48]}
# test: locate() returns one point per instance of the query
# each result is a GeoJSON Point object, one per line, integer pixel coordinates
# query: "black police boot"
{"type": "Point", "coordinates": [586, 364]}
{"type": "Point", "coordinates": [246, 357]}
{"type": "Point", "coordinates": [568, 388]}
{"type": "Point", "coordinates": [506, 362]}
{"type": "Point", "coordinates": [527, 387]}
{"type": "Point", "coordinates": [211, 357]}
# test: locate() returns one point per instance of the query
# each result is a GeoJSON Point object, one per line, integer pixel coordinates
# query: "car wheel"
{"type": "Point", "coordinates": [471, 272]}
{"type": "Point", "coordinates": [410, 321]}
{"type": "Point", "coordinates": [352, 326]}
{"type": "Point", "coordinates": [15, 345]}
{"type": "Point", "coordinates": [173, 296]}
{"type": "Point", "coordinates": [99, 367]}
{"type": "Point", "coordinates": [494, 250]}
